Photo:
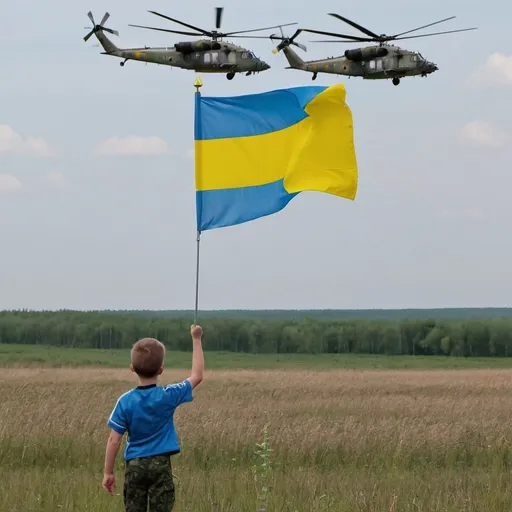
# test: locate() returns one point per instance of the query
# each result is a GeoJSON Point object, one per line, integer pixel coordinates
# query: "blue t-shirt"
{"type": "Point", "coordinates": [147, 413]}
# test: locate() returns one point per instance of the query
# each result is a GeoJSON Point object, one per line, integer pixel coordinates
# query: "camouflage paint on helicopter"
{"type": "Point", "coordinates": [380, 62]}
{"type": "Point", "coordinates": [203, 55]}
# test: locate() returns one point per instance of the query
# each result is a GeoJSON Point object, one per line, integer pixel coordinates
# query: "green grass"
{"type": "Point", "coordinates": [23, 355]}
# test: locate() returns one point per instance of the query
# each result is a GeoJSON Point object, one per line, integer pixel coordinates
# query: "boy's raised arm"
{"type": "Point", "coordinates": [196, 376]}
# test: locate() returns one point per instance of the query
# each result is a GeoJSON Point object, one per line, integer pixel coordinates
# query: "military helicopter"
{"type": "Point", "coordinates": [381, 62]}
{"type": "Point", "coordinates": [204, 55]}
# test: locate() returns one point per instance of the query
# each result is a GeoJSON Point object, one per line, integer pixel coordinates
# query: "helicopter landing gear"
{"type": "Point", "coordinates": [230, 75]}
{"type": "Point", "coordinates": [314, 76]}
{"type": "Point", "coordinates": [396, 80]}
{"type": "Point", "coordinates": [122, 63]}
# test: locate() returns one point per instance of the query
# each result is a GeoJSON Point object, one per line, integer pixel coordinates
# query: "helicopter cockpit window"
{"type": "Point", "coordinates": [245, 55]}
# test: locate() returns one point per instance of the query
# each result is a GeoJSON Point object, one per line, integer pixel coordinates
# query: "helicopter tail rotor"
{"type": "Point", "coordinates": [100, 26]}
{"type": "Point", "coordinates": [286, 41]}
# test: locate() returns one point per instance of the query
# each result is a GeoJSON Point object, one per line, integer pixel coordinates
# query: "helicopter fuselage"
{"type": "Point", "coordinates": [395, 63]}
{"type": "Point", "coordinates": [378, 62]}
{"type": "Point", "coordinates": [205, 61]}
{"type": "Point", "coordinates": [370, 63]}
{"type": "Point", "coordinates": [203, 56]}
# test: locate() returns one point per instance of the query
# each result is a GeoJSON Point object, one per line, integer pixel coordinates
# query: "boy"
{"type": "Point", "coordinates": [146, 413]}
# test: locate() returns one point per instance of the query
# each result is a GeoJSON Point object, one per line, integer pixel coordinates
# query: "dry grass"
{"type": "Point", "coordinates": [342, 440]}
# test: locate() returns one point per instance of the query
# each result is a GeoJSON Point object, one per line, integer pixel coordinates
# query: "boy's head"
{"type": "Point", "coordinates": [148, 358]}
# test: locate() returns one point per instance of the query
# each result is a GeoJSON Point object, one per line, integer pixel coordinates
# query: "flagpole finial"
{"type": "Point", "coordinates": [198, 84]}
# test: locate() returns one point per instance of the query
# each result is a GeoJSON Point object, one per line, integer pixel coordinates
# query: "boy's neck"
{"type": "Point", "coordinates": [148, 382]}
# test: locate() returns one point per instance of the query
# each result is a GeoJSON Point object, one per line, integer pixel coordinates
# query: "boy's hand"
{"type": "Point", "coordinates": [109, 483]}
{"type": "Point", "coordinates": [196, 375]}
{"type": "Point", "coordinates": [196, 332]}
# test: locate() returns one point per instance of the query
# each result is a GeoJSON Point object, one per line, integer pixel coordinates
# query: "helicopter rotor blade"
{"type": "Point", "coordinates": [297, 32]}
{"type": "Point", "coordinates": [355, 25]}
{"type": "Point", "coordinates": [300, 45]}
{"type": "Point", "coordinates": [437, 33]}
{"type": "Point", "coordinates": [105, 18]}
{"type": "Point", "coordinates": [251, 37]}
{"type": "Point", "coordinates": [334, 34]}
{"type": "Point", "coordinates": [274, 36]}
{"type": "Point", "coordinates": [86, 38]}
{"type": "Point", "coordinates": [330, 41]}
{"type": "Point", "coordinates": [218, 17]}
{"type": "Point", "coordinates": [115, 32]}
{"type": "Point", "coordinates": [203, 32]}
{"type": "Point", "coordinates": [219, 11]}
{"type": "Point", "coordinates": [91, 17]}
{"type": "Point", "coordinates": [168, 30]}
{"type": "Point", "coordinates": [424, 26]}
{"type": "Point", "coordinates": [258, 29]}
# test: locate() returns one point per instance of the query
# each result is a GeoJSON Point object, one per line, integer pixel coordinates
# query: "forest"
{"type": "Point", "coordinates": [465, 336]}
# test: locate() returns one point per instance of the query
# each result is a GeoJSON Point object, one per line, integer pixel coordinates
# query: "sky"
{"type": "Point", "coordinates": [97, 195]}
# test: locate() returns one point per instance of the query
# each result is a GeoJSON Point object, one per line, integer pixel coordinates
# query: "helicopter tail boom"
{"type": "Point", "coordinates": [293, 59]}
{"type": "Point", "coordinates": [109, 47]}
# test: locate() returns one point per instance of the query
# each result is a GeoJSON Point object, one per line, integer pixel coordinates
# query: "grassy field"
{"type": "Point", "coordinates": [342, 440]}
{"type": "Point", "coordinates": [38, 355]}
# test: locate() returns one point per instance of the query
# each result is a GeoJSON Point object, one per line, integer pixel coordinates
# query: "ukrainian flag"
{"type": "Point", "coordinates": [254, 153]}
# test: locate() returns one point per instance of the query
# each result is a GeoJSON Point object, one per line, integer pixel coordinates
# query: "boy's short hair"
{"type": "Point", "coordinates": [147, 356]}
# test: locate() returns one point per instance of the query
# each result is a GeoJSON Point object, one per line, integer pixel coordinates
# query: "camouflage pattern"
{"type": "Point", "coordinates": [148, 480]}
{"type": "Point", "coordinates": [202, 55]}
{"type": "Point", "coordinates": [378, 62]}
{"type": "Point", "coordinates": [371, 63]}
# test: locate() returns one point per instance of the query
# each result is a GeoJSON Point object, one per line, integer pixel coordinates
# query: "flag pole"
{"type": "Point", "coordinates": [198, 240]}
{"type": "Point", "coordinates": [197, 84]}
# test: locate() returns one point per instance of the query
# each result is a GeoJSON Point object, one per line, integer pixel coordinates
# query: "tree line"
{"type": "Point", "coordinates": [330, 314]}
{"type": "Point", "coordinates": [407, 336]}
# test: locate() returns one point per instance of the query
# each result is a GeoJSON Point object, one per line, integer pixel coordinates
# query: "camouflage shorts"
{"type": "Point", "coordinates": [149, 480]}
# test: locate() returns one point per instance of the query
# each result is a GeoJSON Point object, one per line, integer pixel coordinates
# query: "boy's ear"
{"type": "Point", "coordinates": [131, 368]}
{"type": "Point", "coordinates": [161, 370]}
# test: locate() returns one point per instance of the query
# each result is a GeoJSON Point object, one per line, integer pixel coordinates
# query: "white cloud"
{"type": "Point", "coordinates": [496, 71]}
{"type": "Point", "coordinates": [9, 183]}
{"type": "Point", "coordinates": [13, 143]}
{"type": "Point", "coordinates": [54, 178]}
{"type": "Point", "coordinates": [133, 145]}
{"type": "Point", "coordinates": [483, 134]}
